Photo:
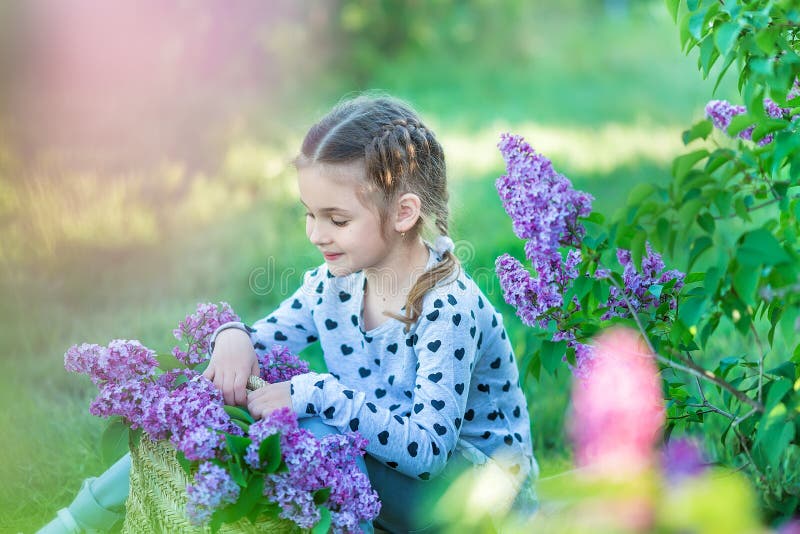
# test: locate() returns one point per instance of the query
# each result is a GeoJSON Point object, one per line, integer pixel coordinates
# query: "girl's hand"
{"type": "Point", "coordinates": [269, 398]}
{"type": "Point", "coordinates": [232, 363]}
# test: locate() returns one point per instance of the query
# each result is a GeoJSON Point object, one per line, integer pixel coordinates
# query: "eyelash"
{"type": "Point", "coordinates": [339, 224]}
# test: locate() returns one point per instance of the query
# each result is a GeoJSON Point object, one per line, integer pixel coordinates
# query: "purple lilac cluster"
{"type": "Point", "coordinates": [543, 206]}
{"type": "Point", "coordinates": [544, 210]}
{"type": "Point", "coordinates": [314, 464]}
{"type": "Point", "coordinates": [197, 328]}
{"type": "Point", "coordinates": [279, 365]}
{"type": "Point", "coordinates": [635, 292]}
{"type": "Point", "coordinates": [121, 361]}
{"type": "Point", "coordinates": [721, 112]}
{"type": "Point", "coordinates": [213, 488]}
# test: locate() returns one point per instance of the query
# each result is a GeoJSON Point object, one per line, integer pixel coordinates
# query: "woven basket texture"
{"type": "Point", "coordinates": [157, 499]}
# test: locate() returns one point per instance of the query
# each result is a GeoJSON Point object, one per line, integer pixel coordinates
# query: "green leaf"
{"type": "Point", "coordinates": [241, 424]}
{"type": "Point", "coordinates": [180, 379]}
{"type": "Point", "coordinates": [638, 247]}
{"type": "Point", "coordinates": [777, 390]}
{"type": "Point", "coordinates": [114, 442]}
{"type": "Point", "coordinates": [249, 498]}
{"type": "Point", "coordinates": [639, 193]}
{"type": "Point", "coordinates": [552, 354]}
{"type": "Point", "coordinates": [321, 496]}
{"type": "Point", "coordinates": [672, 8]}
{"type": "Point", "coordinates": [761, 247]}
{"type": "Point", "coordinates": [683, 164]}
{"type": "Point", "coordinates": [656, 290]}
{"type": "Point", "coordinates": [236, 472]}
{"type": "Point", "coordinates": [739, 123]}
{"type": "Point", "coordinates": [700, 130]}
{"type": "Point", "coordinates": [696, 24]}
{"type": "Point", "coordinates": [708, 56]}
{"type": "Point", "coordinates": [726, 36]}
{"type": "Point", "coordinates": [168, 362]}
{"type": "Point", "coordinates": [698, 246]}
{"type": "Point", "coordinates": [706, 222]}
{"type": "Point", "coordinates": [745, 281]}
{"type": "Point", "coordinates": [237, 445]}
{"type": "Point", "coordinates": [235, 412]}
{"type": "Point", "coordinates": [324, 522]}
{"type": "Point", "coordinates": [690, 307]}
{"type": "Point", "coordinates": [201, 367]}
{"type": "Point", "coordinates": [767, 127]}
{"type": "Point", "coordinates": [269, 453]}
{"type": "Point", "coordinates": [787, 324]}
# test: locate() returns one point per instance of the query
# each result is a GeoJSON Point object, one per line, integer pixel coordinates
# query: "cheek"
{"type": "Point", "coordinates": [309, 227]}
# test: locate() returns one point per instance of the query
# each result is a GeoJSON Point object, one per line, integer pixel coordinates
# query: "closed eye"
{"type": "Point", "coordinates": [339, 223]}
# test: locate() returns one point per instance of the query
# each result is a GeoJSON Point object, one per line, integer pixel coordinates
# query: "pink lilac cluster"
{"type": "Point", "coordinates": [314, 464]}
{"type": "Point", "coordinates": [213, 488]}
{"type": "Point", "coordinates": [122, 360]}
{"type": "Point", "coordinates": [279, 365]}
{"type": "Point", "coordinates": [682, 458]}
{"type": "Point", "coordinates": [618, 411]}
{"type": "Point", "coordinates": [197, 328]}
{"type": "Point", "coordinates": [635, 292]}
{"type": "Point", "coordinates": [543, 206]}
{"type": "Point", "coordinates": [721, 112]}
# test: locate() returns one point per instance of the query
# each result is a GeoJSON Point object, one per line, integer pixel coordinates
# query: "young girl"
{"type": "Point", "coordinates": [418, 360]}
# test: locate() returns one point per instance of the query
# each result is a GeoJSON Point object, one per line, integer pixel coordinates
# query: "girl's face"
{"type": "Point", "coordinates": [347, 232]}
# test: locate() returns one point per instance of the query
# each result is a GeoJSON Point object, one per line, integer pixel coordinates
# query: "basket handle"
{"type": "Point", "coordinates": [255, 382]}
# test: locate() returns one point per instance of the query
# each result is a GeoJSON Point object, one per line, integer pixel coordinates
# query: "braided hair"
{"type": "Point", "coordinates": [401, 155]}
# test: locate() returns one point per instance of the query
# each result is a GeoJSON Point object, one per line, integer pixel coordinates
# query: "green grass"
{"type": "Point", "coordinates": [581, 73]}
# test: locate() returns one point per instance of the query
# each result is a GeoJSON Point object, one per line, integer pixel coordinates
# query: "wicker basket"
{"type": "Point", "coordinates": [157, 498]}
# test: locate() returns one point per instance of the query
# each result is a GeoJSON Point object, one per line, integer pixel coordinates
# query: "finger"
{"type": "Point", "coordinates": [209, 372]}
{"type": "Point", "coordinates": [227, 389]}
{"type": "Point", "coordinates": [255, 370]}
{"type": "Point", "coordinates": [239, 392]}
{"type": "Point", "coordinates": [252, 407]}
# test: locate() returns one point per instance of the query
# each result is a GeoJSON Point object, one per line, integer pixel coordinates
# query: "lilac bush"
{"type": "Point", "coordinates": [548, 213]}
{"type": "Point", "coordinates": [184, 407]}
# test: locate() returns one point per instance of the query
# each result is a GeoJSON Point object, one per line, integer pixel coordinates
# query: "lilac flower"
{"type": "Point", "coordinates": [202, 443]}
{"type": "Point", "coordinates": [682, 458]}
{"type": "Point", "coordinates": [197, 328]}
{"type": "Point", "coordinates": [279, 365]}
{"type": "Point", "coordinates": [543, 206]}
{"type": "Point", "coordinates": [281, 421]}
{"type": "Point", "coordinates": [119, 362]}
{"type": "Point", "coordinates": [518, 288]}
{"type": "Point", "coordinates": [721, 112]}
{"type": "Point", "coordinates": [127, 399]}
{"type": "Point", "coordinates": [636, 285]}
{"type": "Point", "coordinates": [192, 404]}
{"type": "Point", "coordinates": [212, 489]}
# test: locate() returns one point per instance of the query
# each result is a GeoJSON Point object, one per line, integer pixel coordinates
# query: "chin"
{"type": "Point", "coordinates": [339, 270]}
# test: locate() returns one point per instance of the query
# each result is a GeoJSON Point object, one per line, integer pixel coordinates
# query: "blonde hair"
{"type": "Point", "coordinates": [401, 155]}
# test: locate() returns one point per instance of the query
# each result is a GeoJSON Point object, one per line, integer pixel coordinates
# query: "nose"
{"type": "Point", "coordinates": [316, 233]}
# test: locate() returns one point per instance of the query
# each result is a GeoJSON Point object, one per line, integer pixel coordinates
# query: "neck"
{"type": "Point", "coordinates": [397, 273]}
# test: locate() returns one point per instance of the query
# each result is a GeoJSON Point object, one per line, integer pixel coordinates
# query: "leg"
{"type": "Point", "coordinates": [100, 502]}
{"type": "Point", "coordinates": [407, 503]}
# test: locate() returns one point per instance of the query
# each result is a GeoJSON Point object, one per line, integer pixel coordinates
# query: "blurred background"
{"type": "Point", "coordinates": [145, 152]}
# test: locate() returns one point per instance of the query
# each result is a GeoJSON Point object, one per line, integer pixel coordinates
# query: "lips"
{"type": "Point", "coordinates": [330, 256]}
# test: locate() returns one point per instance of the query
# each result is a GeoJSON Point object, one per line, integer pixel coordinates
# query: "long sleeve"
{"type": "Point", "coordinates": [418, 441]}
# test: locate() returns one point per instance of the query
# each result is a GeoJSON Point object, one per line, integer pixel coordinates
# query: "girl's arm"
{"type": "Point", "coordinates": [418, 443]}
{"type": "Point", "coordinates": [291, 325]}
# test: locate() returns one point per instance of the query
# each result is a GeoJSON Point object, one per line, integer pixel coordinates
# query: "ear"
{"type": "Point", "coordinates": [407, 212]}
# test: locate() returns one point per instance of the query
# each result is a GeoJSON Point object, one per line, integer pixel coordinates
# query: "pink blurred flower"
{"type": "Point", "coordinates": [618, 409]}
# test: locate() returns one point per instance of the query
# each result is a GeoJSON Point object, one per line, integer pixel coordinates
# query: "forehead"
{"type": "Point", "coordinates": [339, 185]}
